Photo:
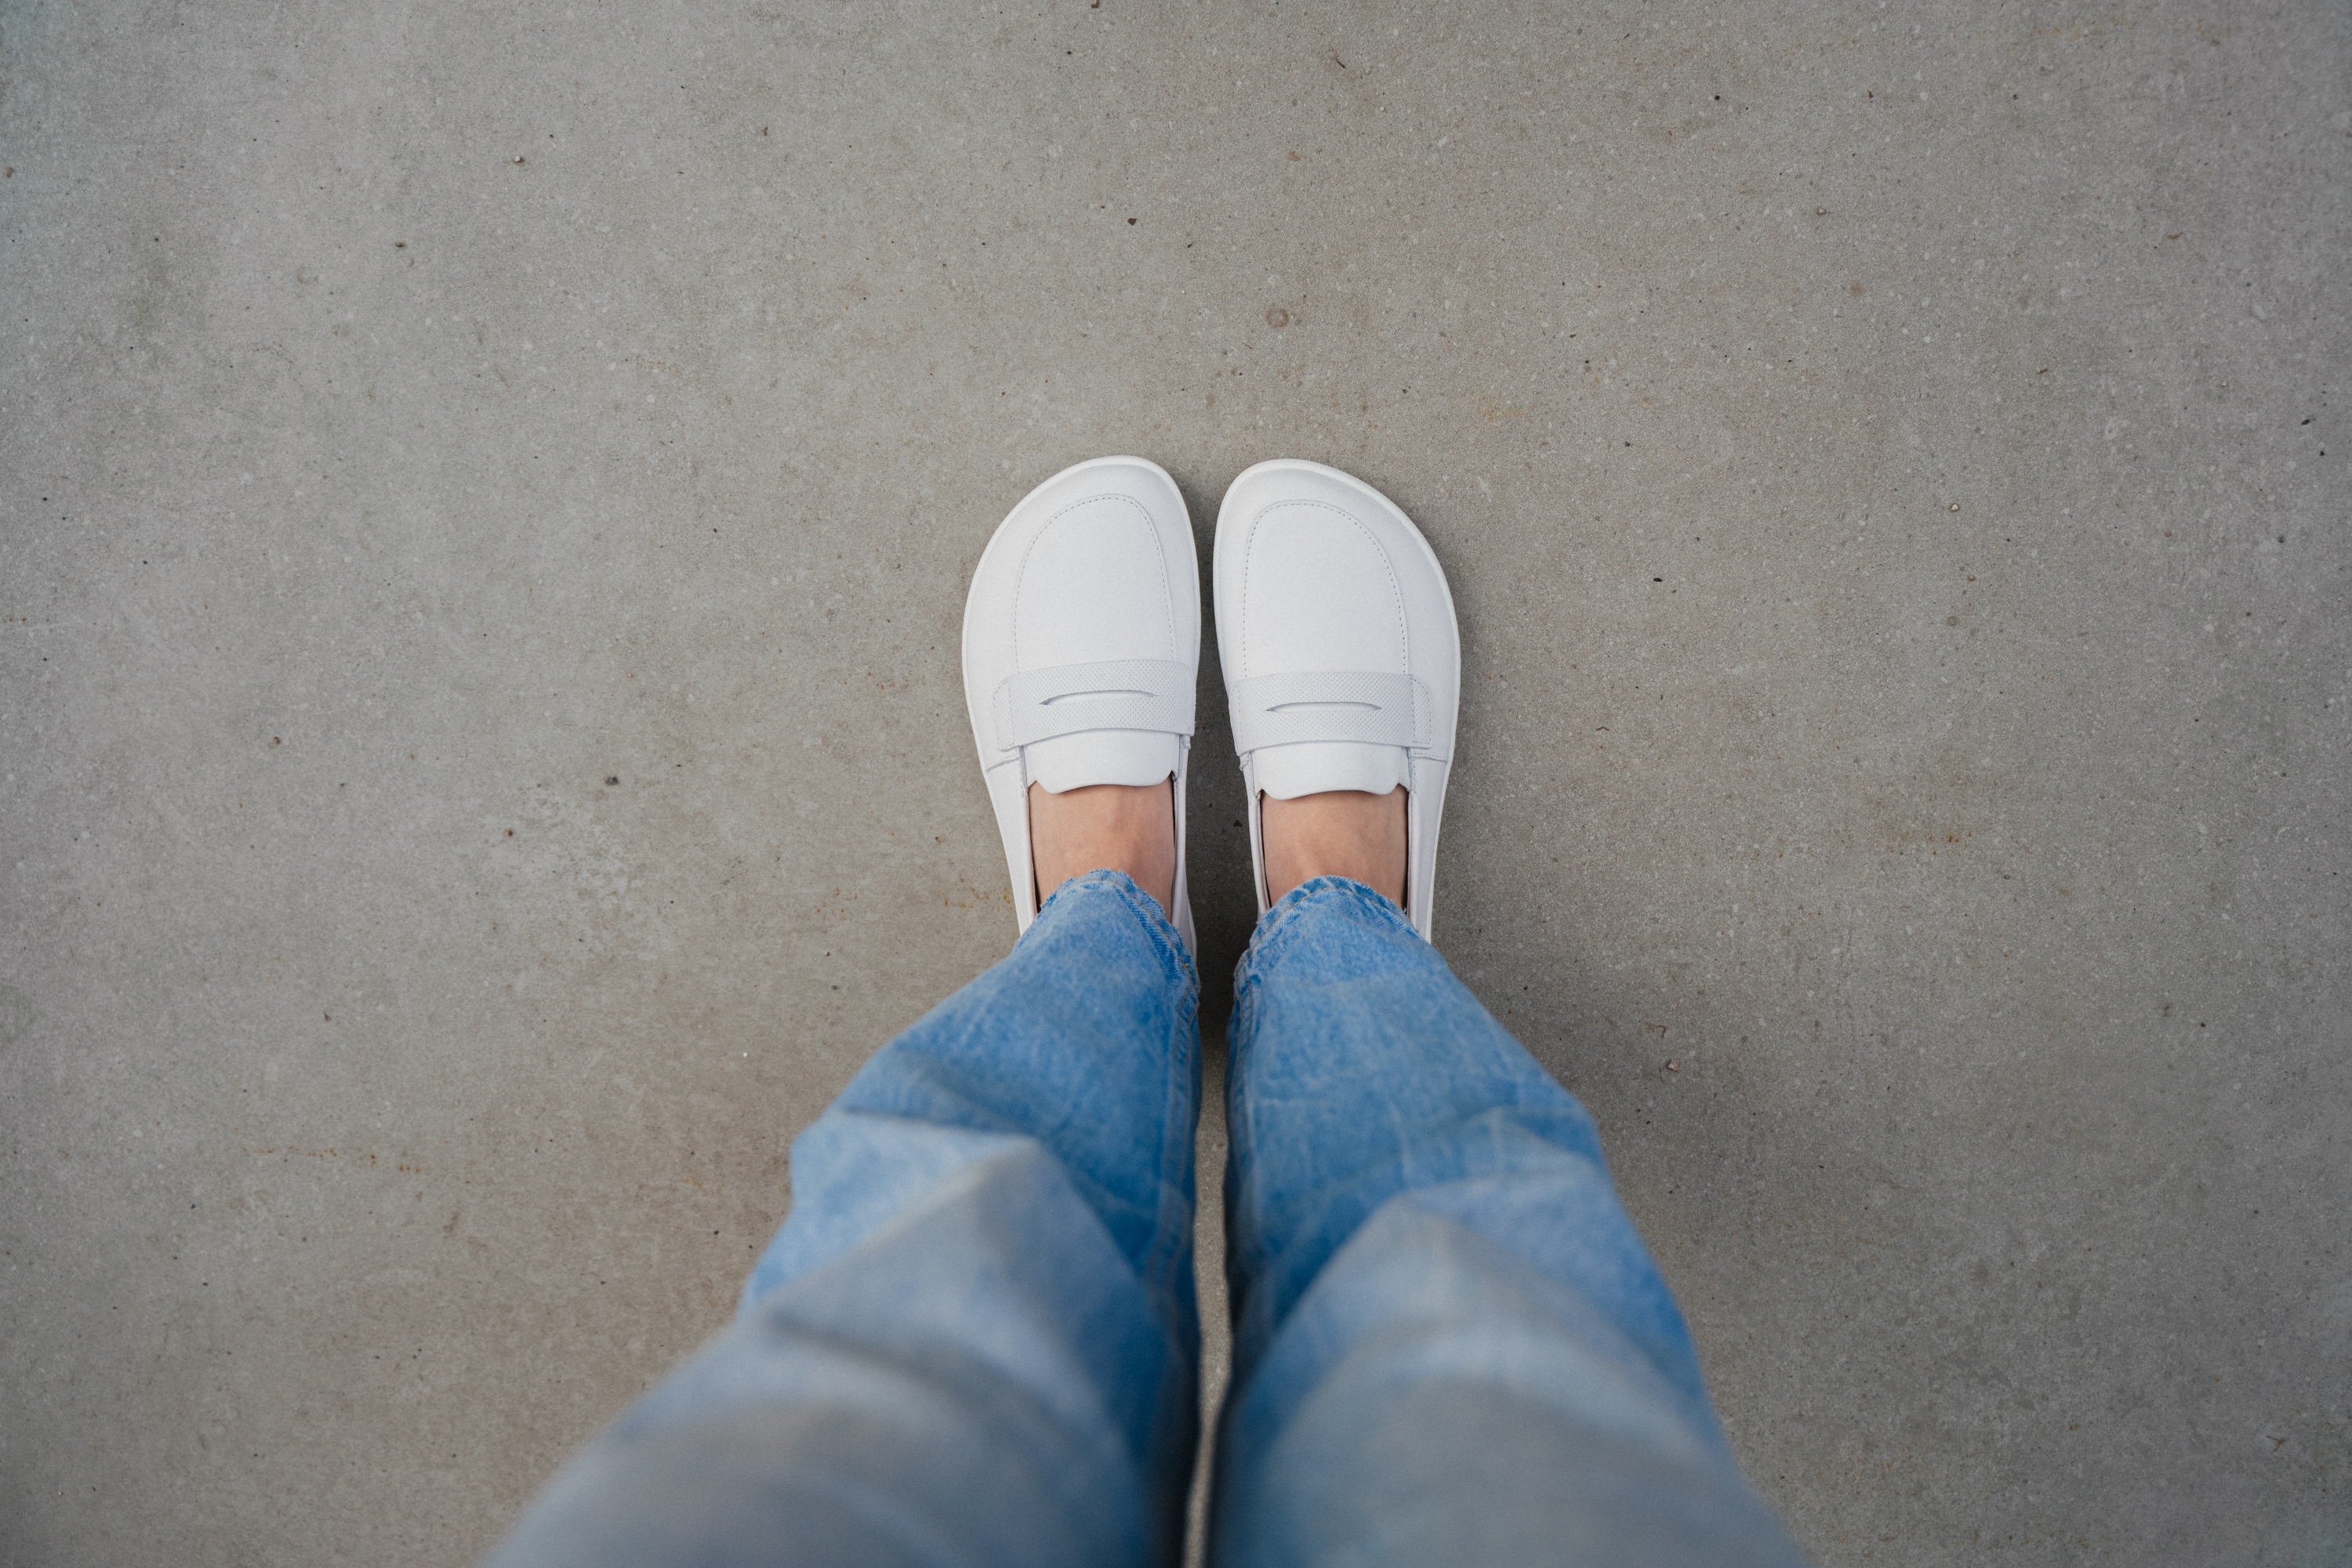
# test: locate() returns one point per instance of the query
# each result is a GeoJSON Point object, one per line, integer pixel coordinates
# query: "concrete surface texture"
{"type": "Point", "coordinates": [488, 494]}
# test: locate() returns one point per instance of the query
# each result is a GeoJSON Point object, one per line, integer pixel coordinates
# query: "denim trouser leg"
{"type": "Point", "coordinates": [1450, 1345]}
{"type": "Point", "coordinates": [974, 1340]}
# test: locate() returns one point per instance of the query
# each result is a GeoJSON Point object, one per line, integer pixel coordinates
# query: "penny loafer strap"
{"type": "Point", "coordinates": [1151, 694]}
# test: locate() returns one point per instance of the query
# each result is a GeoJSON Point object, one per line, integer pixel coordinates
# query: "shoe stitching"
{"type": "Point", "coordinates": [1167, 597]}
{"type": "Point", "coordinates": [1396, 593]}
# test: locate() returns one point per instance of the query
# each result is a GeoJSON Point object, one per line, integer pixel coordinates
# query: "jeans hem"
{"type": "Point", "coordinates": [1277, 921]}
{"type": "Point", "coordinates": [1156, 923]}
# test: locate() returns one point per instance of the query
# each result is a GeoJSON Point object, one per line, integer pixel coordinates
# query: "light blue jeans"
{"type": "Point", "coordinates": [974, 1341]}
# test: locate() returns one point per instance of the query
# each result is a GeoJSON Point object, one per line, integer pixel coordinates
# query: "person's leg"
{"type": "Point", "coordinates": [1450, 1345]}
{"type": "Point", "coordinates": [973, 1342]}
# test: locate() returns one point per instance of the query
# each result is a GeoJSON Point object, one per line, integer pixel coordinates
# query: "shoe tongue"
{"type": "Point", "coordinates": [1286, 773]}
{"type": "Point", "coordinates": [1099, 757]}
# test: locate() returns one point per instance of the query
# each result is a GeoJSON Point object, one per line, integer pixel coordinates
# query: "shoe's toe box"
{"type": "Point", "coordinates": [1094, 567]}
{"type": "Point", "coordinates": [1320, 575]}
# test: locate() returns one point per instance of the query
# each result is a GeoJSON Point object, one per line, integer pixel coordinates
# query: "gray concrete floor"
{"type": "Point", "coordinates": [488, 493]}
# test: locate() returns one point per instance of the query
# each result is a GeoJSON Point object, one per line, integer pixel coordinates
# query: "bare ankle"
{"type": "Point", "coordinates": [1106, 828]}
{"type": "Point", "coordinates": [1337, 833]}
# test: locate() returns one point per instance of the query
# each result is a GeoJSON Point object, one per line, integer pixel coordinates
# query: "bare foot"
{"type": "Point", "coordinates": [1106, 828]}
{"type": "Point", "coordinates": [1340, 833]}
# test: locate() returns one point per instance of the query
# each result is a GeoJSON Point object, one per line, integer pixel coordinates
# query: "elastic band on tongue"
{"type": "Point", "coordinates": [1099, 757]}
{"type": "Point", "coordinates": [1311, 768]}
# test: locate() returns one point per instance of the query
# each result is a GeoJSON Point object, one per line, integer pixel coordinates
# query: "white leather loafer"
{"type": "Point", "coordinates": [1343, 663]}
{"type": "Point", "coordinates": [1081, 648]}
